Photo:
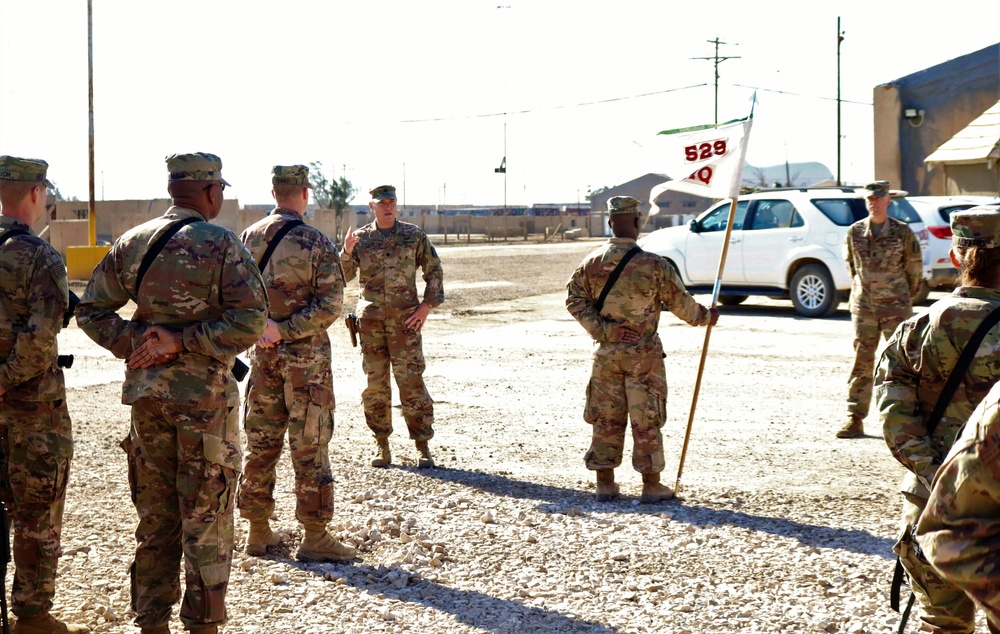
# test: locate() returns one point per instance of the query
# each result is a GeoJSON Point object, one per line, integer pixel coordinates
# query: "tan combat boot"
{"type": "Point", "coordinates": [425, 461]}
{"type": "Point", "coordinates": [159, 629]}
{"type": "Point", "coordinates": [45, 624]}
{"type": "Point", "coordinates": [853, 429]}
{"type": "Point", "coordinates": [653, 491]}
{"type": "Point", "coordinates": [319, 545]}
{"type": "Point", "coordinates": [607, 490]}
{"type": "Point", "coordinates": [382, 456]}
{"type": "Point", "coordinates": [204, 629]}
{"type": "Point", "coordinates": [260, 538]}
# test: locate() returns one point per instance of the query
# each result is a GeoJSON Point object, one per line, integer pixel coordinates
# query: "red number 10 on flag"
{"type": "Point", "coordinates": [705, 151]}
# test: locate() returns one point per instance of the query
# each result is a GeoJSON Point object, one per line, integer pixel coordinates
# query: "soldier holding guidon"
{"type": "Point", "coordinates": [386, 255]}
{"type": "Point", "coordinates": [911, 376]}
{"type": "Point", "coordinates": [35, 427]}
{"type": "Point", "coordinates": [291, 383]}
{"type": "Point", "coordinates": [629, 381]}
{"type": "Point", "coordinates": [200, 301]}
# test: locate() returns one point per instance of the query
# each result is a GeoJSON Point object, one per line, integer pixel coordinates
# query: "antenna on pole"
{"type": "Point", "coordinates": [840, 38]}
{"type": "Point", "coordinates": [717, 59]}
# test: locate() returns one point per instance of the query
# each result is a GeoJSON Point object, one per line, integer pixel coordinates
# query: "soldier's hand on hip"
{"type": "Point", "coordinates": [161, 346]}
{"type": "Point", "coordinates": [416, 321]}
{"type": "Point", "coordinates": [623, 334]}
{"type": "Point", "coordinates": [350, 240]}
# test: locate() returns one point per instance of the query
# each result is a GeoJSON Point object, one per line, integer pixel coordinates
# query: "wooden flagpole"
{"type": "Point", "coordinates": [704, 349]}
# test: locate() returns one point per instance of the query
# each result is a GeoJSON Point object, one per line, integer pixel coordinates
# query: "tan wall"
{"type": "Point", "coordinates": [976, 179]}
{"type": "Point", "coordinates": [68, 233]}
{"type": "Point", "coordinates": [887, 109]}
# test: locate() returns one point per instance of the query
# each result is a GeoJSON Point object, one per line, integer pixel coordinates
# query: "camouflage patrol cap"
{"type": "Point", "coordinates": [878, 189]}
{"type": "Point", "coordinates": [621, 205]}
{"type": "Point", "coordinates": [198, 166]}
{"type": "Point", "coordinates": [13, 168]}
{"type": "Point", "coordinates": [290, 175]}
{"type": "Point", "coordinates": [382, 192]}
{"type": "Point", "coordinates": [976, 227]}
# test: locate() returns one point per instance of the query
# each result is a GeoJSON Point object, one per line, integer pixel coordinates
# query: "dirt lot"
{"type": "Point", "coordinates": [782, 527]}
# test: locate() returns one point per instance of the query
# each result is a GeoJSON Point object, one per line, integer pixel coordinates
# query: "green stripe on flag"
{"type": "Point", "coordinates": [696, 128]}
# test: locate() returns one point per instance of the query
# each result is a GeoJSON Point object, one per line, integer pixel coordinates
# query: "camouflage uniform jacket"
{"type": "Point", "coordinates": [886, 272]}
{"type": "Point", "coordinates": [635, 301]}
{"type": "Point", "coordinates": [960, 525]}
{"type": "Point", "coordinates": [304, 278]}
{"type": "Point", "coordinates": [914, 367]}
{"type": "Point", "coordinates": [387, 266]}
{"type": "Point", "coordinates": [203, 284]}
{"type": "Point", "coordinates": [34, 295]}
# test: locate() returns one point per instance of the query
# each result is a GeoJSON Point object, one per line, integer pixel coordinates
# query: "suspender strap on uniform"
{"type": "Point", "coordinates": [12, 234]}
{"type": "Point", "coordinates": [947, 393]}
{"type": "Point", "coordinates": [614, 276]}
{"type": "Point", "coordinates": [273, 244]}
{"type": "Point", "coordinates": [147, 260]}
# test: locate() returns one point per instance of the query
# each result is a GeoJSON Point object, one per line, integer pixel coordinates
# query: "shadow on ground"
{"type": "Point", "coordinates": [503, 616]}
{"type": "Point", "coordinates": [561, 500]}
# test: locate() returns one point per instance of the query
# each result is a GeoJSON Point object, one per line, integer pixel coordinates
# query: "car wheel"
{"type": "Point", "coordinates": [812, 291]}
{"type": "Point", "coordinates": [922, 294]}
{"type": "Point", "coordinates": [732, 300]}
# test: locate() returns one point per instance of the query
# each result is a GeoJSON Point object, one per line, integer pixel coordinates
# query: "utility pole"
{"type": "Point", "coordinates": [92, 206]}
{"type": "Point", "coordinates": [717, 59]}
{"type": "Point", "coordinates": [840, 38]}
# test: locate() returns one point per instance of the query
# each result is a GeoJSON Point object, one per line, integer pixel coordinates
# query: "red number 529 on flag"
{"type": "Point", "coordinates": [705, 150]}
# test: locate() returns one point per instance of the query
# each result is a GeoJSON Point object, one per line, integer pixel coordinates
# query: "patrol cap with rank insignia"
{"type": "Point", "coordinates": [621, 205]}
{"type": "Point", "coordinates": [976, 227]}
{"type": "Point", "coordinates": [13, 168]}
{"type": "Point", "coordinates": [198, 166]}
{"type": "Point", "coordinates": [382, 192]}
{"type": "Point", "coordinates": [290, 175]}
{"type": "Point", "coordinates": [878, 189]}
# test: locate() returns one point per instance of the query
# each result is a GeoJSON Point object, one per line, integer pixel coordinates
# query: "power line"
{"type": "Point", "coordinates": [560, 107]}
{"type": "Point", "coordinates": [795, 94]}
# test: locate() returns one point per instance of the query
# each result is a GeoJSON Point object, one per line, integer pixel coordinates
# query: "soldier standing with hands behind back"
{"type": "Point", "coordinates": [35, 427]}
{"type": "Point", "coordinates": [628, 382]}
{"type": "Point", "coordinates": [291, 383]}
{"type": "Point", "coordinates": [200, 303]}
{"type": "Point", "coordinates": [386, 255]}
{"type": "Point", "coordinates": [886, 268]}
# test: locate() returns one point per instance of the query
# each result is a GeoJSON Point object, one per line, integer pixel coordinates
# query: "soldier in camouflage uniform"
{"type": "Point", "coordinates": [911, 374]}
{"type": "Point", "coordinates": [291, 383]}
{"type": "Point", "coordinates": [628, 381]}
{"type": "Point", "coordinates": [884, 258]}
{"type": "Point", "coordinates": [200, 304]}
{"type": "Point", "coordinates": [35, 428]}
{"type": "Point", "coordinates": [386, 255]}
{"type": "Point", "coordinates": [958, 529]}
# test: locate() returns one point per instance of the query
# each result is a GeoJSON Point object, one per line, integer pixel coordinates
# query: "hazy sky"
{"type": "Point", "coordinates": [372, 86]}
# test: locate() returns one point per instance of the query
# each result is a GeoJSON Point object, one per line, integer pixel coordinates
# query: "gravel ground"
{"type": "Point", "coordinates": [781, 528]}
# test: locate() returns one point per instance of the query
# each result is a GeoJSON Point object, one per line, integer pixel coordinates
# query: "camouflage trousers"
{"type": "Point", "coordinates": [290, 390]}
{"type": "Point", "coordinates": [627, 388]}
{"type": "Point", "coordinates": [944, 608]}
{"type": "Point", "coordinates": [386, 343]}
{"type": "Point", "coordinates": [183, 465]}
{"type": "Point", "coordinates": [37, 441]}
{"type": "Point", "coordinates": [868, 330]}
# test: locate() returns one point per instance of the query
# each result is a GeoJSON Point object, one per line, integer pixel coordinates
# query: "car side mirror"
{"type": "Point", "coordinates": [693, 226]}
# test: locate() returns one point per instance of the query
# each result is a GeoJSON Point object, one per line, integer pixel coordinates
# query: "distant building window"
{"type": "Point", "coordinates": [689, 203]}
{"type": "Point", "coordinates": [664, 206]}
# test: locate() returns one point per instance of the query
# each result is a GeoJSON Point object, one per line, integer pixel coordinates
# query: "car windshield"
{"type": "Point", "coordinates": [842, 212]}
{"type": "Point", "coordinates": [901, 209]}
{"type": "Point", "coordinates": [945, 212]}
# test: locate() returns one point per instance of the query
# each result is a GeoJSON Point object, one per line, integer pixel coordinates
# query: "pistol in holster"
{"type": "Point", "coordinates": [352, 327]}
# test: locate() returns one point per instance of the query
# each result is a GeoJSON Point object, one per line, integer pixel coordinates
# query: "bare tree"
{"type": "Point", "coordinates": [332, 193]}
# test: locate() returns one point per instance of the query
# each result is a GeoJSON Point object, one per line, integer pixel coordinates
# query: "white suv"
{"type": "Point", "coordinates": [785, 243]}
